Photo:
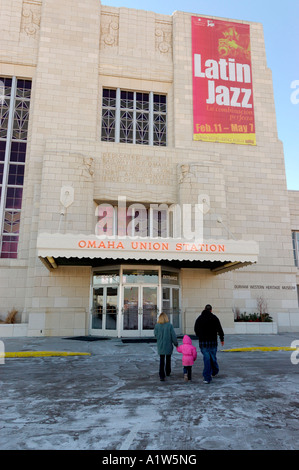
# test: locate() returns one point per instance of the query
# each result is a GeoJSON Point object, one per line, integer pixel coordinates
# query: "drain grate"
{"type": "Point", "coordinates": [87, 338]}
{"type": "Point", "coordinates": [139, 340]}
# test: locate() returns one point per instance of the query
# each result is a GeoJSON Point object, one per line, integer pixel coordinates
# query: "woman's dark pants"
{"type": "Point", "coordinates": [165, 366]}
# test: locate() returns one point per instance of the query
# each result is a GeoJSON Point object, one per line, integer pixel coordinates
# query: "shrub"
{"type": "Point", "coordinates": [10, 317]}
{"type": "Point", "coordinates": [253, 317]}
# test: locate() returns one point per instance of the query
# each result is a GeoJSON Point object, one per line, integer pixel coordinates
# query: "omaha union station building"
{"type": "Point", "coordinates": [140, 172]}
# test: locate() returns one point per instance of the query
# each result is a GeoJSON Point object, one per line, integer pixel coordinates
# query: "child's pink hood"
{"type": "Point", "coordinates": [188, 350]}
{"type": "Point", "coordinates": [187, 340]}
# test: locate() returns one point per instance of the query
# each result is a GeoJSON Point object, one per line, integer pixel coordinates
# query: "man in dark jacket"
{"type": "Point", "coordinates": [208, 327]}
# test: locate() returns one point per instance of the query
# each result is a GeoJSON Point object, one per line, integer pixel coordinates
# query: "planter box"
{"type": "Point", "coordinates": [255, 328]}
{"type": "Point", "coordinates": [13, 330]}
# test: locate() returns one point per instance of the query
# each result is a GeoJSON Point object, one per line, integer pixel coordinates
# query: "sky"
{"type": "Point", "coordinates": [281, 34]}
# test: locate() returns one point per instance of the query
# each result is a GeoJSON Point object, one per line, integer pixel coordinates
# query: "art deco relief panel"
{"type": "Point", "coordinates": [158, 33]}
{"type": "Point", "coordinates": [31, 18]}
{"type": "Point", "coordinates": [109, 31]}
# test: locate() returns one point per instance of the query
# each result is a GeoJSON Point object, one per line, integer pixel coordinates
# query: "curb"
{"type": "Point", "coordinates": [261, 348]}
{"type": "Point", "coordinates": [42, 354]}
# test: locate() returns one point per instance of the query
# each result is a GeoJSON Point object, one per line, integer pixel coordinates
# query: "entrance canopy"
{"type": "Point", "coordinates": [56, 249]}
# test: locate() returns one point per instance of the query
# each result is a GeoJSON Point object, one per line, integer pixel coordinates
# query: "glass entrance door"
{"type": "Point", "coordinates": [140, 308]}
{"type": "Point", "coordinates": [171, 305]}
{"type": "Point", "coordinates": [131, 308]}
{"type": "Point", "coordinates": [125, 300]}
{"type": "Point", "coordinates": [104, 310]}
{"type": "Point", "coordinates": [149, 307]}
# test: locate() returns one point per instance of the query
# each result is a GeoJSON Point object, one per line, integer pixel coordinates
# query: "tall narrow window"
{"type": "Point", "coordinates": [159, 120]}
{"type": "Point", "coordinates": [14, 116]}
{"type": "Point", "coordinates": [108, 115]}
{"type": "Point", "coordinates": [134, 117]}
{"type": "Point", "coordinates": [295, 238]}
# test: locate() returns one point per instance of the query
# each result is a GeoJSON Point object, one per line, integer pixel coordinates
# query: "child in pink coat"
{"type": "Point", "coordinates": [189, 356]}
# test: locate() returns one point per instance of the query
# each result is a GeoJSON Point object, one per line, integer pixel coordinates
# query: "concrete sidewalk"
{"type": "Point", "coordinates": [112, 399]}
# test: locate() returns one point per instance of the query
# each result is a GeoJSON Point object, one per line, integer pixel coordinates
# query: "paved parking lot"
{"type": "Point", "coordinates": [112, 399]}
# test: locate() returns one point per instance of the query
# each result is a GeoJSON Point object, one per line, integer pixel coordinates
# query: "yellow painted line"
{"type": "Point", "coordinates": [261, 348]}
{"type": "Point", "coordinates": [42, 354]}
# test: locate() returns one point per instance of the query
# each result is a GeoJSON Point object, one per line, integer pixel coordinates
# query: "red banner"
{"type": "Point", "coordinates": [222, 82]}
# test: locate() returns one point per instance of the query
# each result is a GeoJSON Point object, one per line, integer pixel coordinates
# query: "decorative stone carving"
{"type": "Point", "coordinates": [87, 169]}
{"type": "Point", "coordinates": [163, 35]}
{"type": "Point", "coordinates": [67, 196]}
{"type": "Point", "coordinates": [186, 175]}
{"type": "Point", "coordinates": [31, 16]}
{"type": "Point", "coordinates": [109, 30]}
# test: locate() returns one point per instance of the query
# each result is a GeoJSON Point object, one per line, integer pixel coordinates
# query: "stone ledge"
{"type": "Point", "coordinates": [248, 328]}
{"type": "Point", "coordinates": [13, 330]}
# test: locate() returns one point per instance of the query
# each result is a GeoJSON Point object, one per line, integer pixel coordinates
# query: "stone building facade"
{"type": "Point", "coordinates": [96, 134]}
